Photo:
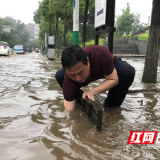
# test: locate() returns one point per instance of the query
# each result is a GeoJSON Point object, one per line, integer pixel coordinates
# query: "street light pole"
{"type": "Point", "coordinates": [45, 43]}
{"type": "Point", "coordinates": [75, 22]}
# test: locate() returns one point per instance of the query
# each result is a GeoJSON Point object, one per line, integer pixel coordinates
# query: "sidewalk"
{"type": "Point", "coordinates": [118, 55]}
{"type": "Point", "coordinates": [130, 55]}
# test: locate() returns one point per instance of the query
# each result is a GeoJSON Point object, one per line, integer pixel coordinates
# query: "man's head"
{"type": "Point", "coordinates": [76, 64]}
{"type": "Point", "coordinates": [73, 54]}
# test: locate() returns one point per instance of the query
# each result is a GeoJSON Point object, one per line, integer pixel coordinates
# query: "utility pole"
{"type": "Point", "coordinates": [75, 22]}
{"type": "Point", "coordinates": [45, 43]}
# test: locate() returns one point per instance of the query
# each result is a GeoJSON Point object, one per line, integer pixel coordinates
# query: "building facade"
{"type": "Point", "coordinates": [33, 30]}
{"type": "Point", "coordinates": [11, 20]}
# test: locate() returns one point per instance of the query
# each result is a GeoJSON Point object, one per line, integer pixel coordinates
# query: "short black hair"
{"type": "Point", "coordinates": [73, 54]}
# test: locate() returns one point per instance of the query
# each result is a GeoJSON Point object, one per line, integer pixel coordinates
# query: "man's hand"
{"type": "Point", "coordinates": [88, 94]}
{"type": "Point", "coordinates": [111, 81]}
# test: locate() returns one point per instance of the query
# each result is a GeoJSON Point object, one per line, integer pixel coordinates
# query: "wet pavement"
{"type": "Point", "coordinates": [34, 125]}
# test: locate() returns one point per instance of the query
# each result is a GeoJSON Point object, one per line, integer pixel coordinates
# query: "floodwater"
{"type": "Point", "coordinates": [34, 125]}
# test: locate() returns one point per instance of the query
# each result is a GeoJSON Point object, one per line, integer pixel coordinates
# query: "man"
{"type": "Point", "coordinates": [82, 66]}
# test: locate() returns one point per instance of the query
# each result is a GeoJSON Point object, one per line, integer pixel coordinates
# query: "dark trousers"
{"type": "Point", "coordinates": [116, 94]}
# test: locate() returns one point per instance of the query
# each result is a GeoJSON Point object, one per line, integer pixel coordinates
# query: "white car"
{"type": "Point", "coordinates": [5, 49]}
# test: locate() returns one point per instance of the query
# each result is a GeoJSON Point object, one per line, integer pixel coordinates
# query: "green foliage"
{"type": "Point", "coordinates": [37, 16]}
{"type": "Point", "coordinates": [44, 26]}
{"type": "Point", "coordinates": [22, 33]}
{"type": "Point", "coordinates": [127, 36]}
{"type": "Point", "coordinates": [25, 37]}
{"type": "Point", "coordinates": [138, 32]}
{"type": "Point", "coordinates": [34, 44]}
{"type": "Point", "coordinates": [1, 33]}
{"type": "Point", "coordinates": [147, 28]}
{"type": "Point", "coordinates": [90, 32]}
{"type": "Point", "coordinates": [69, 38]}
{"type": "Point", "coordinates": [135, 37]}
{"type": "Point", "coordinates": [143, 37]}
{"type": "Point", "coordinates": [12, 38]}
{"type": "Point", "coordinates": [5, 23]}
{"type": "Point", "coordinates": [138, 35]}
{"type": "Point", "coordinates": [128, 22]}
{"type": "Point", "coordinates": [44, 10]}
{"type": "Point", "coordinates": [20, 28]}
{"type": "Point", "coordinates": [59, 13]}
{"type": "Point", "coordinates": [16, 35]}
{"type": "Point", "coordinates": [136, 23]}
{"type": "Point", "coordinates": [124, 22]}
{"type": "Point", "coordinates": [92, 42]}
{"type": "Point", "coordinates": [89, 43]}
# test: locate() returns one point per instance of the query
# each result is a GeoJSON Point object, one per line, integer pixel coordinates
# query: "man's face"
{"type": "Point", "coordinates": [79, 72]}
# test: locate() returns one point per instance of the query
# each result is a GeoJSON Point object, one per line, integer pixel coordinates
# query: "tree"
{"type": "Point", "coordinates": [20, 28]}
{"type": "Point", "coordinates": [124, 22]}
{"type": "Point", "coordinates": [84, 23]}
{"type": "Point", "coordinates": [34, 44]}
{"type": "Point", "coordinates": [11, 38]}
{"type": "Point", "coordinates": [68, 9]}
{"type": "Point", "coordinates": [58, 14]}
{"type": "Point", "coordinates": [151, 61]}
{"type": "Point", "coordinates": [25, 37]}
{"type": "Point", "coordinates": [88, 6]}
{"type": "Point", "coordinates": [43, 25]}
{"type": "Point", "coordinates": [37, 16]}
{"type": "Point", "coordinates": [1, 33]}
{"type": "Point", "coordinates": [4, 22]}
{"type": "Point", "coordinates": [136, 22]}
{"type": "Point", "coordinates": [47, 13]}
{"type": "Point", "coordinates": [22, 32]}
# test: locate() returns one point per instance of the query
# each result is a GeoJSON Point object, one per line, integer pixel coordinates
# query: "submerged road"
{"type": "Point", "coordinates": [34, 125]}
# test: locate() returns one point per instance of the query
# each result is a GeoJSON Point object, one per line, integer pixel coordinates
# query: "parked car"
{"type": "Point", "coordinates": [37, 50]}
{"type": "Point", "coordinates": [5, 49]}
{"type": "Point", "coordinates": [18, 48]}
{"type": "Point", "coordinates": [28, 48]}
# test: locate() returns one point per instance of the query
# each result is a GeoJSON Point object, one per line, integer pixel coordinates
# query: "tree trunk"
{"type": "Point", "coordinates": [65, 27]}
{"type": "Point", "coordinates": [84, 23]}
{"type": "Point", "coordinates": [151, 62]}
{"type": "Point", "coordinates": [57, 36]}
{"type": "Point", "coordinates": [42, 45]}
{"type": "Point", "coordinates": [50, 29]}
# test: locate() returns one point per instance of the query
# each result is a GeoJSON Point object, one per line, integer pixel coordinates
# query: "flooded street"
{"type": "Point", "coordinates": [34, 125]}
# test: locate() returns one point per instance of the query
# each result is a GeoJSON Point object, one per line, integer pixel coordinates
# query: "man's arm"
{"type": "Point", "coordinates": [111, 81]}
{"type": "Point", "coordinates": [69, 105]}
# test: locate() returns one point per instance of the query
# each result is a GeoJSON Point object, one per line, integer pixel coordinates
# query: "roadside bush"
{"type": "Point", "coordinates": [128, 36]}
{"type": "Point", "coordinates": [89, 43]}
{"type": "Point", "coordinates": [147, 28]}
{"type": "Point", "coordinates": [69, 38]}
{"type": "Point", "coordinates": [92, 42]}
{"type": "Point", "coordinates": [143, 37]}
{"type": "Point", "coordinates": [135, 37]}
{"type": "Point", "coordinates": [138, 32]}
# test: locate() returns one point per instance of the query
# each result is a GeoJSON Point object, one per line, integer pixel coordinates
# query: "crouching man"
{"type": "Point", "coordinates": [82, 66]}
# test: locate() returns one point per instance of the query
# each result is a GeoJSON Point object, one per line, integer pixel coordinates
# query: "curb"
{"type": "Point", "coordinates": [117, 55]}
{"type": "Point", "coordinates": [130, 55]}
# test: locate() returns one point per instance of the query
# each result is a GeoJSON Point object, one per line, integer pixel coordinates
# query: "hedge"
{"type": "Point", "coordinates": [143, 37]}
{"type": "Point", "coordinates": [92, 42]}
